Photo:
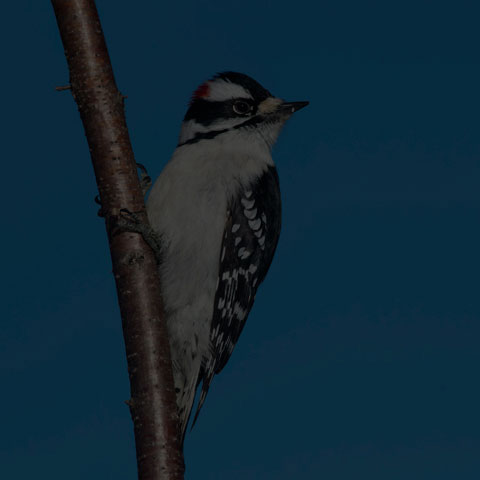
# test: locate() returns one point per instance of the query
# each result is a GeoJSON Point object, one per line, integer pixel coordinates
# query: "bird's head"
{"type": "Point", "coordinates": [233, 102]}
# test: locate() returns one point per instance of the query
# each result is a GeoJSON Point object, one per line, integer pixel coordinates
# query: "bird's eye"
{"type": "Point", "coordinates": [241, 108]}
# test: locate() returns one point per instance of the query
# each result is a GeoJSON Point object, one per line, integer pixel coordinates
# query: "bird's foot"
{"type": "Point", "coordinates": [128, 221]}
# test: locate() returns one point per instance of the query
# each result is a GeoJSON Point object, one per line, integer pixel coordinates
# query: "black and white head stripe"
{"type": "Point", "coordinates": [229, 85]}
{"type": "Point", "coordinates": [227, 102]}
{"type": "Point", "coordinates": [250, 239]}
{"type": "Point", "coordinates": [214, 99]}
{"type": "Point", "coordinates": [231, 101]}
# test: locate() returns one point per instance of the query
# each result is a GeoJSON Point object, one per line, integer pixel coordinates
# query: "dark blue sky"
{"type": "Point", "coordinates": [360, 358]}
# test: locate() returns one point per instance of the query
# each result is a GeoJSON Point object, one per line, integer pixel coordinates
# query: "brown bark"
{"type": "Point", "coordinates": [100, 104]}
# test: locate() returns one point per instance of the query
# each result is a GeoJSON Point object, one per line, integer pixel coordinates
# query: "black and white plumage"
{"type": "Point", "coordinates": [250, 238]}
{"type": "Point", "coordinates": [217, 208]}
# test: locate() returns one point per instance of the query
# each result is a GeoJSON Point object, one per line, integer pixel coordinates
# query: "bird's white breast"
{"type": "Point", "coordinates": [188, 207]}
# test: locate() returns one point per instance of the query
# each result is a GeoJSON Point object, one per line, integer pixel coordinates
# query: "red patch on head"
{"type": "Point", "coordinates": [201, 92]}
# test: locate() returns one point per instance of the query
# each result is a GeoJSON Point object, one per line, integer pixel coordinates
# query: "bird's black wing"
{"type": "Point", "coordinates": [250, 238]}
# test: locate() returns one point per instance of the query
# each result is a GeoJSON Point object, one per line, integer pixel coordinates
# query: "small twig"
{"type": "Point", "coordinates": [63, 87]}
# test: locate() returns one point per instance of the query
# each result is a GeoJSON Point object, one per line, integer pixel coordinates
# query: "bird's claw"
{"type": "Point", "coordinates": [128, 221]}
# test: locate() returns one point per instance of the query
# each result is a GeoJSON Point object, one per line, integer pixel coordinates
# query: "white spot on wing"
{"type": "Point", "coordinates": [235, 227]}
{"type": "Point", "coordinates": [239, 311]}
{"type": "Point", "coordinates": [243, 253]}
{"type": "Point", "coordinates": [248, 203]}
{"type": "Point", "coordinates": [250, 214]}
{"type": "Point", "coordinates": [255, 224]}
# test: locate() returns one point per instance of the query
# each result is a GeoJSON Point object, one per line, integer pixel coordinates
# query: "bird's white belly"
{"type": "Point", "coordinates": [192, 233]}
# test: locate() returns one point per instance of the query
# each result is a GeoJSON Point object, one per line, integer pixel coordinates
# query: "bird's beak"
{"type": "Point", "coordinates": [292, 107]}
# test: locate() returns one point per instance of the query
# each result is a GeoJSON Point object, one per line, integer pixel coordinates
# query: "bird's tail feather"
{"type": "Point", "coordinates": [207, 380]}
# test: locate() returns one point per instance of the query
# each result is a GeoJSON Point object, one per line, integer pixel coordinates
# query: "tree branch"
{"type": "Point", "coordinates": [100, 104]}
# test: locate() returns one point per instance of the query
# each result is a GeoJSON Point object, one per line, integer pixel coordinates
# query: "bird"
{"type": "Point", "coordinates": [216, 207]}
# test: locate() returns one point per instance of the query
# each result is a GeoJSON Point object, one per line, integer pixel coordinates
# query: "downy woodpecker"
{"type": "Point", "coordinates": [216, 206]}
